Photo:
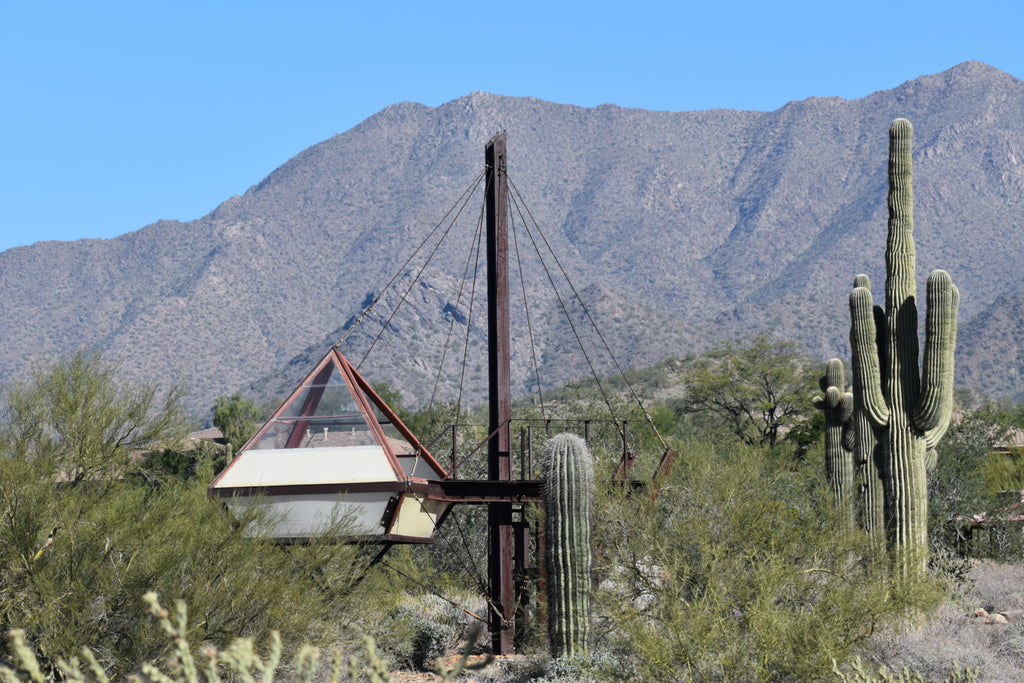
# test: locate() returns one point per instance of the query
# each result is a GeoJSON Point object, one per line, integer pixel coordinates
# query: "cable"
{"type": "Point", "coordinates": [529, 326]}
{"type": "Point", "coordinates": [455, 314]}
{"type": "Point", "coordinates": [415, 279]}
{"type": "Point", "coordinates": [468, 192]}
{"type": "Point", "coordinates": [565, 311]}
{"type": "Point", "coordinates": [435, 593]}
{"type": "Point", "coordinates": [593, 324]}
{"type": "Point", "coordinates": [469, 318]}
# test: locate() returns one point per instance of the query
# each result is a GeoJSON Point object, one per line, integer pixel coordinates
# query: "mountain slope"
{"type": "Point", "coordinates": [688, 226]}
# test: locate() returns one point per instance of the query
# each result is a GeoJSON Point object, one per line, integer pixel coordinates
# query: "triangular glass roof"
{"type": "Point", "coordinates": [334, 447]}
{"type": "Point", "coordinates": [336, 410]}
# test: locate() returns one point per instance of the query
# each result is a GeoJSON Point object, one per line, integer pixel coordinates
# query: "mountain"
{"type": "Point", "coordinates": [677, 228]}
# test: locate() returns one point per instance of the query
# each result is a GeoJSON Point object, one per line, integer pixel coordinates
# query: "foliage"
{"type": "Point", "coordinates": [239, 661]}
{"type": "Point", "coordinates": [78, 418]}
{"type": "Point", "coordinates": [420, 629]}
{"type": "Point", "coordinates": [1002, 411]}
{"type": "Point", "coordinates": [1004, 471]}
{"type": "Point", "coordinates": [758, 389]}
{"type": "Point", "coordinates": [182, 463]}
{"type": "Point", "coordinates": [110, 545]}
{"type": "Point", "coordinates": [957, 489]}
{"type": "Point", "coordinates": [393, 398]}
{"type": "Point", "coordinates": [237, 418]}
{"type": "Point", "coordinates": [740, 569]}
{"type": "Point", "coordinates": [77, 551]}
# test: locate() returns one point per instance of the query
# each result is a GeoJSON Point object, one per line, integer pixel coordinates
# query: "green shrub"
{"type": "Point", "coordinates": [740, 569]}
{"type": "Point", "coordinates": [421, 629]}
{"type": "Point", "coordinates": [81, 536]}
{"type": "Point", "coordinates": [241, 660]}
{"type": "Point", "coordinates": [116, 542]}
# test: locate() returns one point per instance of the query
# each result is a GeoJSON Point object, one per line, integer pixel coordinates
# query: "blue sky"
{"type": "Point", "coordinates": [116, 114]}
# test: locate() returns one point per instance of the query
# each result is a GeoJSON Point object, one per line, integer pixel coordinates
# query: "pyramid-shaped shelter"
{"type": "Point", "coordinates": [335, 450]}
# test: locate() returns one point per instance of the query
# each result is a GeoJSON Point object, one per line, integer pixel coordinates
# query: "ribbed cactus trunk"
{"type": "Point", "coordinates": [568, 491]}
{"type": "Point", "coordinates": [868, 453]}
{"type": "Point", "coordinates": [837, 405]}
{"type": "Point", "coordinates": [910, 408]}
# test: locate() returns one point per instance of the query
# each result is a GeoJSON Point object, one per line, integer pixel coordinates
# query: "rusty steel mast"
{"type": "Point", "coordinates": [501, 588]}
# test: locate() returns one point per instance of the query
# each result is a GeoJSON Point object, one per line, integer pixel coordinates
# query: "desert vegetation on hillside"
{"type": "Point", "coordinates": [740, 567]}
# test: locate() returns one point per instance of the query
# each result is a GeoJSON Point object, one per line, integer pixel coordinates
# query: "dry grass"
{"type": "Point", "coordinates": [958, 632]}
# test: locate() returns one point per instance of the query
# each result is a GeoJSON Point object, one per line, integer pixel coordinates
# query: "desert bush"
{"type": "Point", "coordinates": [78, 418]}
{"type": "Point", "coordinates": [112, 544]}
{"type": "Point", "coordinates": [859, 672]}
{"type": "Point", "coordinates": [739, 569]}
{"type": "Point", "coordinates": [237, 418]}
{"type": "Point", "coordinates": [757, 389]}
{"type": "Point", "coordinates": [81, 536]}
{"type": "Point", "coordinates": [592, 666]}
{"type": "Point", "coordinates": [965, 483]}
{"type": "Point", "coordinates": [241, 660]}
{"type": "Point", "coordinates": [422, 628]}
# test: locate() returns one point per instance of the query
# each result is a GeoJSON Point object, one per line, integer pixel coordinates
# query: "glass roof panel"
{"type": "Point", "coordinates": [324, 395]}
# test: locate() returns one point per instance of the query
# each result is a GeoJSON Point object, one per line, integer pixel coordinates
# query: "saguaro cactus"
{"type": "Point", "coordinates": [568, 492]}
{"type": "Point", "coordinates": [837, 404]}
{"type": "Point", "coordinates": [910, 407]}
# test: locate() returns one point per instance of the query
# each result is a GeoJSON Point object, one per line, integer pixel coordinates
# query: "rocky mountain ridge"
{"type": "Point", "coordinates": [686, 227]}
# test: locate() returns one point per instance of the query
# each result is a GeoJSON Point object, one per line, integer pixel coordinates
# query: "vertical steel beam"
{"type": "Point", "coordinates": [499, 456]}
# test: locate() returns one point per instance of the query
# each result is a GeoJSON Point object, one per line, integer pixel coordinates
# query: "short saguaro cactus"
{"type": "Point", "coordinates": [837, 405]}
{"type": "Point", "coordinates": [568, 492]}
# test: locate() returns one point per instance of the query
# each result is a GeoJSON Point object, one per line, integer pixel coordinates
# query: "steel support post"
{"type": "Point", "coordinates": [499, 456]}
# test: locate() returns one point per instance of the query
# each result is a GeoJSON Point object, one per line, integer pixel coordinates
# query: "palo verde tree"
{"type": "Point", "coordinates": [82, 538]}
{"type": "Point", "coordinates": [77, 415]}
{"type": "Point", "coordinates": [758, 389]}
{"type": "Point", "coordinates": [741, 569]}
{"type": "Point", "coordinates": [237, 418]}
{"type": "Point", "coordinates": [910, 406]}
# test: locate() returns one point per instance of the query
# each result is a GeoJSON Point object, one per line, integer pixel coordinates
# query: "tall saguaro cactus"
{"type": "Point", "coordinates": [568, 492]}
{"type": "Point", "coordinates": [909, 406]}
{"type": "Point", "coordinates": [837, 405]}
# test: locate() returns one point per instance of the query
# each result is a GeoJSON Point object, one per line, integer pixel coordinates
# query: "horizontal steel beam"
{"type": "Point", "coordinates": [450, 490]}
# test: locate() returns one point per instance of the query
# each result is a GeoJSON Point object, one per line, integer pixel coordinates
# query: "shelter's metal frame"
{"type": "Point", "coordinates": [508, 535]}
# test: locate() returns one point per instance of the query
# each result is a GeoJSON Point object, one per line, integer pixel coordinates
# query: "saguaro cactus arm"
{"type": "Point", "coordinates": [867, 450]}
{"type": "Point", "coordinates": [933, 411]}
{"type": "Point", "coordinates": [835, 398]}
{"type": "Point", "coordinates": [866, 365]}
{"type": "Point", "coordinates": [846, 408]}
